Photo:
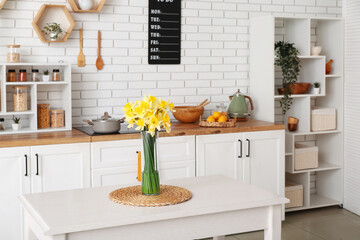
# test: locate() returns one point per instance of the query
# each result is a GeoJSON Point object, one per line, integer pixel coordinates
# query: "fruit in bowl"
{"type": "Point", "coordinates": [217, 117]}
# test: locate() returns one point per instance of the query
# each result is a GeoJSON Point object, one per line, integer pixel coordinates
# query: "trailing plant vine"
{"type": "Point", "coordinates": [287, 59]}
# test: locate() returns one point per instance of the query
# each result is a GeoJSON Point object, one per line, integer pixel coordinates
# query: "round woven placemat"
{"type": "Point", "coordinates": [169, 195]}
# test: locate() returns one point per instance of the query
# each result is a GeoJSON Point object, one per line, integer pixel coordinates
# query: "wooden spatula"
{"type": "Point", "coordinates": [81, 57]}
{"type": "Point", "coordinates": [99, 61]}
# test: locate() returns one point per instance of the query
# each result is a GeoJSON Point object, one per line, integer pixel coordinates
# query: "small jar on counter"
{"type": "Point", "coordinates": [20, 102]}
{"type": "Point", "coordinates": [57, 118]}
{"type": "Point", "coordinates": [13, 55]}
{"type": "Point", "coordinates": [35, 75]}
{"type": "Point", "coordinates": [56, 75]}
{"type": "Point", "coordinates": [22, 75]}
{"type": "Point", "coordinates": [2, 124]}
{"type": "Point", "coordinates": [43, 112]}
{"type": "Point", "coordinates": [11, 77]}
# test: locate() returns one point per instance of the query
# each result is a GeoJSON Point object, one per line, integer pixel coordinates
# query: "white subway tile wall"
{"type": "Point", "coordinates": [215, 54]}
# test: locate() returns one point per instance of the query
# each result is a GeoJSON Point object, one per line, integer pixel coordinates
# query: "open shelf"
{"type": "Point", "coordinates": [332, 76]}
{"type": "Point", "coordinates": [2, 3]}
{"type": "Point", "coordinates": [316, 201]}
{"type": "Point", "coordinates": [299, 133]}
{"type": "Point", "coordinates": [17, 113]}
{"type": "Point", "coordinates": [99, 4]}
{"type": "Point", "coordinates": [49, 13]}
{"type": "Point", "coordinates": [35, 83]}
{"type": "Point", "coordinates": [323, 166]}
{"type": "Point", "coordinates": [300, 95]}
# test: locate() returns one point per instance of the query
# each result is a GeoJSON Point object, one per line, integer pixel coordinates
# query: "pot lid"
{"type": "Point", "coordinates": [106, 118]}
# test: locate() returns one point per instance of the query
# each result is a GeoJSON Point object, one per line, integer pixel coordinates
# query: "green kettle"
{"type": "Point", "coordinates": [238, 107]}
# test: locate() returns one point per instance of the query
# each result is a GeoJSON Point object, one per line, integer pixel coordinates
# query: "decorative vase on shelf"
{"type": "Point", "coordinates": [328, 66]}
{"type": "Point", "coordinates": [150, 180]}
{"type": "Point", "coordinates": [316, 50]}
{"type": "Point", "coordinates": [86, 4]}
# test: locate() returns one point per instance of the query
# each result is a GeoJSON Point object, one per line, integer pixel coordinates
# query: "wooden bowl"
{"type": "Point", "coordinates": [297, 88]}
{"type": "Point", "coordinates": [292, 127]}
{"type": "Point", "coordinates": [188, 114]}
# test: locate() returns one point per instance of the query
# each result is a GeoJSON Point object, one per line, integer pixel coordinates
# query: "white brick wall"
{"type": "Point", "coordinates": [215, 40]}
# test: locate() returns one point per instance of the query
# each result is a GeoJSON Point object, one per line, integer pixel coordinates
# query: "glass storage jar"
{"type": "Point", "coordinates": [11, 77]}
{"type": "Point", "coordinates": [57, 118]}
{"type": "Point", "coordinates": [20, 102]}
{"type": "Point", "coordinates": [35, 75]}
{"type": "Point", "coordinates": [13, 55]}
{"type": "Point", "coordinates": [56, 75]}
{"type": "Point", "coordinates": [22, 75]}
{"type": "Point", "coordinates": [2, 124]}
{"type": "Point", "coordinates": [43, 112]}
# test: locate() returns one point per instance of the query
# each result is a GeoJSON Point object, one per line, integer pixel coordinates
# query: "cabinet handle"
{"type": "Point", "coordinates": [240, 142]}
{"type": "Point", "coordinates": [248, 153]}
{"type": "Point", "coordinates": [37, 164]}
{"type": "Point", "coordinates": [26, 165]}
{"type": "Point", "coordinates": [139, 166]}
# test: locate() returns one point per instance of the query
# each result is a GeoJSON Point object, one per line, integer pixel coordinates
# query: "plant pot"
{"type": "Point", "coordinates": [16, 127]}
{"type": "Point", "coordinates": [46, 78]}
{"type": "Point", "coordinates": [315, 51]}
{"type": "Point", "coordinates": [54, 36]}
{"type": "Point", "coordinates": [316, 90]}
{"type": "Point", "coordinates": [86, 4]}
{"type": "Point", "coordinates": [296, 88]}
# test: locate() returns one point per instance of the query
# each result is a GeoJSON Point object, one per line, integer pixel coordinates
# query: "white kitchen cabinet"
{"type": "Point", "coordinates": [14, 181]}
{"type": "Point", "coordinates": [115, 163]}
{"type": "Point", "coordinates": [255, 157]}
{"type": "Point", "coordinates": [60, 167]}
{"type": "Point", "coordinates": [26, 170]}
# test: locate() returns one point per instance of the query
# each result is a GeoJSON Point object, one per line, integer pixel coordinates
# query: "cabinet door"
{"type": "Point", "coordinates": [264, 161]}
{"type": "Point", "coordinates": [60, 167]}
{"type": "Point", "coordinates": [13, 183]}
{"type": "Point", "coordinates": [219, 154]}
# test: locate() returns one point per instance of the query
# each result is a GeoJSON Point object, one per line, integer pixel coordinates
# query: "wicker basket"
{"type": "Point", "coordinates": [323, 119]}
{"type": "Point", "coordinates": [295, 193]}
{"type": "Point", "coordinates": [230, 123]}
{"type": "Point", "coordinates": [306, 157]}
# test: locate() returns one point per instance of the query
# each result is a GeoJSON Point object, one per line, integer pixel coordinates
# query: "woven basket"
{"type": "Point", "coordinates": [230, 123]}
{"type": "Point", "coordinates": [306, 157]}
{"type": "Point", "coordinates": [323, 119]}
{"type": "Point", "coordinates": [295, 193]}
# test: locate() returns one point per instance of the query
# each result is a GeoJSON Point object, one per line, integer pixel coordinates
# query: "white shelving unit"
{"type": "Point", "coordinates": [265, 79]}
{"type": "Point", "coordinates": [57, 94]}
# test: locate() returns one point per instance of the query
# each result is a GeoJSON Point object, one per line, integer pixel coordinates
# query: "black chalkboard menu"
{"type": "Point", "coordinates": [164, 32]}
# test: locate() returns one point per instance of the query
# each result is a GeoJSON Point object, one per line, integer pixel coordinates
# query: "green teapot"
{"type": "Point", "coordinates": [238, 107]}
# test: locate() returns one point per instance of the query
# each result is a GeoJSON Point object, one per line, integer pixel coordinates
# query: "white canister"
{"type": "Point", "coordinates": [86, 4]}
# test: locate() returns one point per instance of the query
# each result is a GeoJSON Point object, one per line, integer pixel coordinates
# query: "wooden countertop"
{"type": "Point", "coordinates": [183, 129]}
{"type": "Point", "coordinates": [178, 129]}
{"type": "Point", "coordinates": [49, 138]}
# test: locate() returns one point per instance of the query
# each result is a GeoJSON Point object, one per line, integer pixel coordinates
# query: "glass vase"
{"type": "Point", "coordinates": [150, 181]}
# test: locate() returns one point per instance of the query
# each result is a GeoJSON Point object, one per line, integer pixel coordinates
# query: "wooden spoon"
{"type": "Point", "coordinates": [81, 57]}
{"type": "Point", "coordinates": [99, 61]}
{"type": "Point", "coordinates": [203, 102]}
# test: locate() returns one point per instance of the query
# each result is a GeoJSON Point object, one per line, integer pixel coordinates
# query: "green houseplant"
{"type": "Point", "coordinates": [16, 125]}
{"type": "Point", "coordinates": [287, 59]}
{"type": "Point", "coordinates": [53, 30]}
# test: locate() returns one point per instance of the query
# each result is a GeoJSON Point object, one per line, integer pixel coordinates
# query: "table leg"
{"type": "Point", "coordinates": [273, 232]}
{"type": "Point", "coordinates": [219, 238]}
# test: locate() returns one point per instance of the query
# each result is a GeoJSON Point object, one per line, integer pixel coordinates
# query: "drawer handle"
{"type": "Point", "coordinates": [240, 143]}
{"type": "Point", "coordinates": [139, 166]}
{"type": "Point", "coordinates": [26, 165]}
{"type": "Point", "coordinates": [248, 153]}
{"type": "Point", "coordinates": [37, 164]}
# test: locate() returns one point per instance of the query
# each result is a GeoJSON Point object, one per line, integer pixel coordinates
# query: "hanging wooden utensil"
{"type": "Point", "coordinates": [81, 57]}
{"type": "Point", "coordinates": [99, 61]}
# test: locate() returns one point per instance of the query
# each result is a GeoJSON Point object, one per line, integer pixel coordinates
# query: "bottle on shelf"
{"type": "Point", "coordinates": [43, 111]}
{"type": "Point", "coordinates": [56, 75]}
{"type": "Point", "coordinates": [13, 55]}
{"type": "Point", "coordinates": [11, 77]}
{"type": "Point", "coordinates": [20, 100]}
{"type": "Point", "coordinates": [57, 118]}
{"type": "Point", "coordinates": [35, 75]}
{"type": "Point", "coordinates": [22, 75]}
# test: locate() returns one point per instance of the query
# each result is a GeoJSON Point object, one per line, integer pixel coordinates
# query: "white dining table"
{"type": "Point", "coordinates": [219, 206]}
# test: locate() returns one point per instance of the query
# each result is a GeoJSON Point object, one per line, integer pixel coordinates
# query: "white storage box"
{"type": "Point", "coordinates": [306, 157]}
{"type": "Point", "coordinates": [323, 119]}
{"type": "Point", "coordinates": [295, 193]}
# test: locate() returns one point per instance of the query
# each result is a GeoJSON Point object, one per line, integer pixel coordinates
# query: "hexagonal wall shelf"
{"type": "Point", "coordinates": [2, 3]}
{"type": "Point", "coordinates": [49, 13]}
{"type": "Point", "coordinates": [97, 8]}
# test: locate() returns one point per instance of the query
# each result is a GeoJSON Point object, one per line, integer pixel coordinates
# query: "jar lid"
{"type": "Point", "coordinates": [2, 119]}
{"type": "Point", "coordinates": [13, 46]}
{"type": "Point", "coordinates": [11, 70]}
{"type": "Point", "coordinates": [19, 87]}
{"type": "Point", "coordinates": [44, 105]}
{"type": "Point", "coordinates": [22, 70]}
{"type": "Point", "coordinates": [35, 70]}
{"type": "Point", "coordinates": [57, 111]}
{"type": "Point", "coordinates": [56, 70]}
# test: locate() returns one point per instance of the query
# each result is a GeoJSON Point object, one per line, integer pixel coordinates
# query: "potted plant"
{"type": "Point", "coordinates": [53, 30]}
{"type": "Point", "coordinates": [46, 75]}
{"type": "Point", "coordinates": [316, 88]}
{"type": "Point", "coordinates": [287, 59]}
{"type": "Point", "coordinates": [16, 125]}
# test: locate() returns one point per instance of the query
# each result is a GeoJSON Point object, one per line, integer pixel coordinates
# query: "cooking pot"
{"type": "Point", "coordinates": [105, 124]}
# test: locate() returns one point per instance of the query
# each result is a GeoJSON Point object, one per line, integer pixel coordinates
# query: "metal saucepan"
{"type": "Point", "coordinates": [105, 124]}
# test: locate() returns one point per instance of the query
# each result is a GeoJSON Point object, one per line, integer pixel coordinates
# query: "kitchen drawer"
{"type": "Point", "coordinates": [174, 149]}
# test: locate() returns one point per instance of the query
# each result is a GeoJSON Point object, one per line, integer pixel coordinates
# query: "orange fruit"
{"type": "Point", "coordinates": [211, 119]}
{"type": "Point", "coordinates": [216, 115]}
{"type": "Point", "coordinates": [222, 119]}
